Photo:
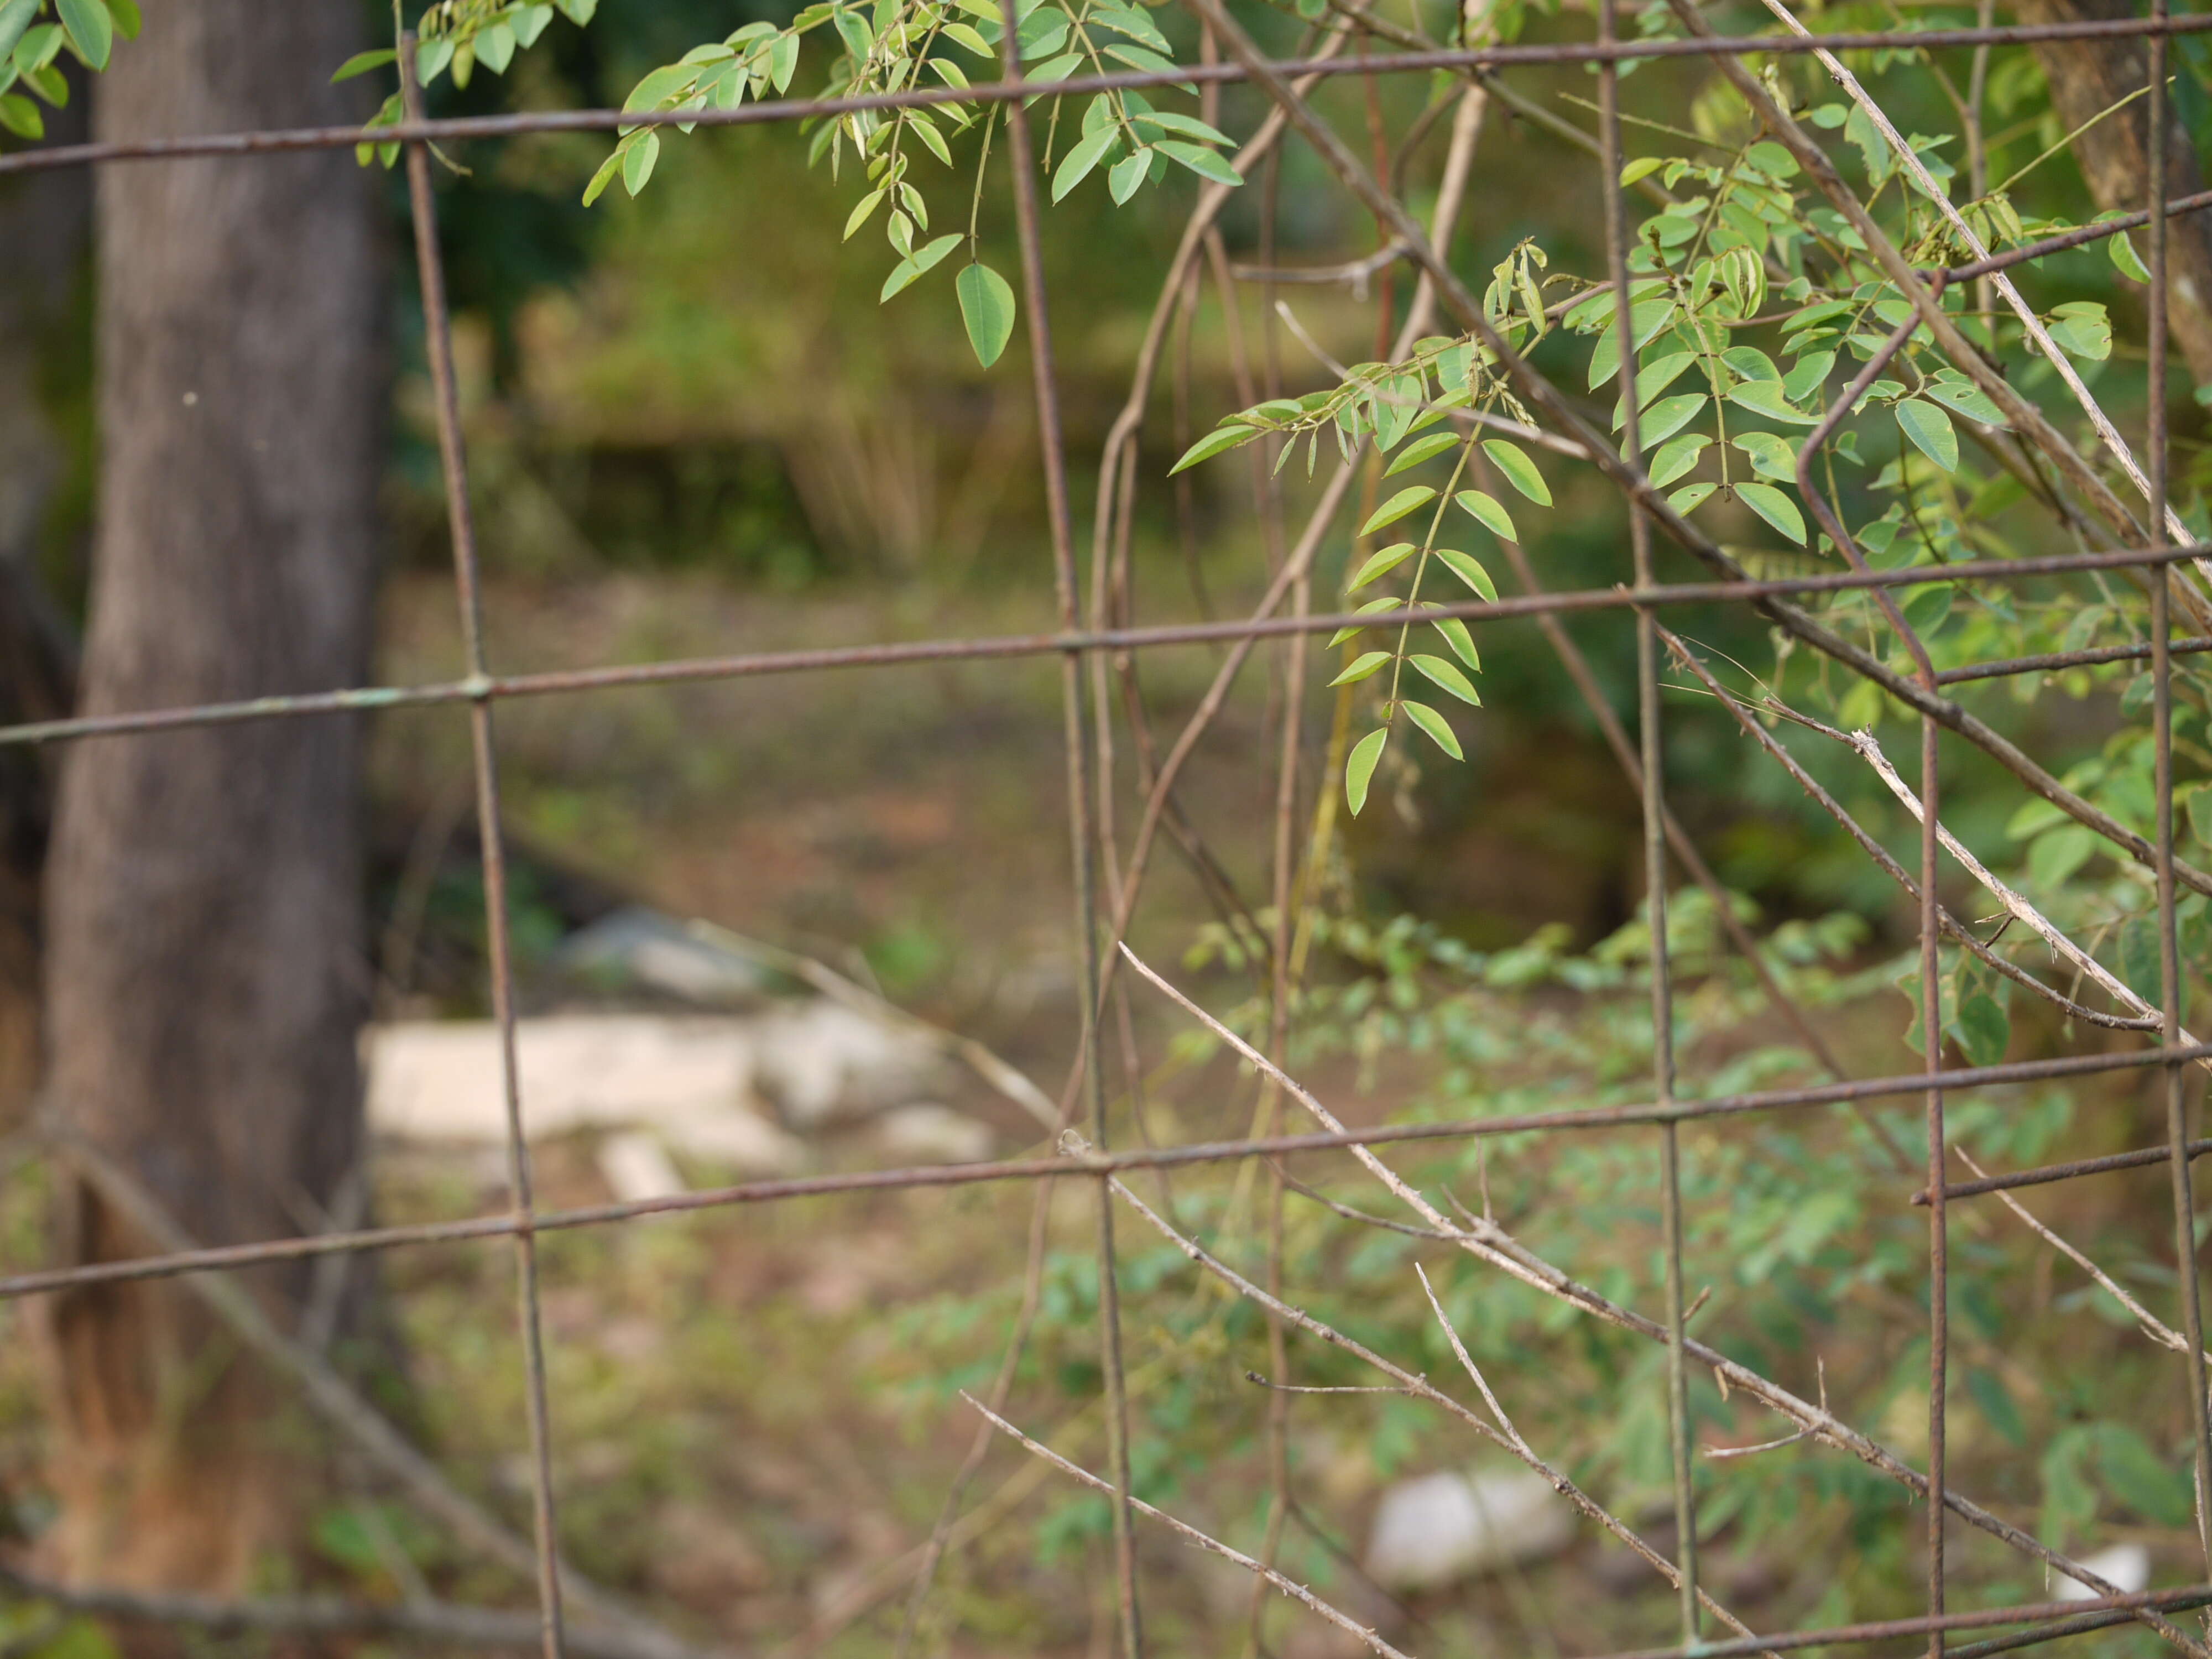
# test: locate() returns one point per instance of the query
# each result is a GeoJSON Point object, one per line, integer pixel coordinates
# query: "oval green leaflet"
{"type": "Point", "coordinates": [1468, 571]}
{"type": "Point", "coordinates": [637, 166]}
{"type": "Point", "coordinates": [1075, 165]}
{"type": "Point", "coordinates": [1520, 472]}
{"type": "Point", "coordinates": [1125, 174]}
{"type": "Point", "coordinates": [1765, 397]}
{"type": "Point", "coordinates": [1387, 602]}
{"type": "Point", "coordinates": [1406, 501]}
{"type": "Point", "coordinates": [91, 29]}
{"type": "Point", "coordinates": [1380, 564]}
{"type": "Point", "coordinates": [1200, 160]}
{"type": "Point", "coordinates": [1462, 642]}
{"type": "Point", "coordinates": [1438, 730]}
{"type": "Point", "coordinates": [1929, 429]}
{"type": "Point", "coordinates": [1414, 454]}
{"type": "Point", "coordinates": [1771, 458]}
{"type": "Point", "coordinates": [987, 307]}
{"type": "Point", "coordinates": [1772, 505]}
{"type": "Point", "coordinates": [1366, 663]}
{"type": "Point", "coordinates": [1676, 457]}
{"type": "Point", "coordinates": [1668, 415]}
{"type": "Point", "coordinates": [1810, 373]}
{"type": "Point", "coordinates": [1213, 443]}
{"type": "Point", "coordinates": [1488, 514]}
{"type": "Point", "coordinates": [1447, 675]}
{"type": "Point", "coordinates": [1359, 768]}
{"type": "Point", "coordinates": [915, 264]}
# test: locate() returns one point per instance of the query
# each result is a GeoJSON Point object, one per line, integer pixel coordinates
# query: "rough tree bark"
{"type": "Point", "coordinates": [2086, 78]}
{"type": "Point", "coordinates": [46, 226]}
{"type": "Point", "coordinates": [207, 969]}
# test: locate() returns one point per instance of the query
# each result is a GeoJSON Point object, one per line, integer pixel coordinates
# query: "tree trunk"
{"type": "Point", "coordinates": [46, 224]}
{"type": "Point", "coordinates": [2087, 77]}
{"type": "Point", "coordinates": [206, 968]}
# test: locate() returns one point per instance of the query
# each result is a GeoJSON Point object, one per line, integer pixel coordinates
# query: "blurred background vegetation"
{"type": "Point", "coordinates": [694, 431]}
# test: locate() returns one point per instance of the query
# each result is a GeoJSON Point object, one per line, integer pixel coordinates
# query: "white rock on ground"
{"type": "Point", "coordinates": [822, 1063]}
{"type": "Point", "coordinates": [637, 1167]}
{"type": "Point", "coordinates": [1437, 1529]}
{"type": "Point", "coordinates": [930, 1134]}
{"type": "Point", "coordinates": [2127, 1565]}
{"type": "Point", "coordinates": [689, 1080]}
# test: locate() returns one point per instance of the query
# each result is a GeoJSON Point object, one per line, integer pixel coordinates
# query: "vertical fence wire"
{"type": "Point", "coordinates": [438, 342]}
{"type": "Point", "coordinates": [2171, 992]}
{"type": "Point", "coordinates": [1651, 788]}
{"type": "Point", "coordinates": [1082, 814]}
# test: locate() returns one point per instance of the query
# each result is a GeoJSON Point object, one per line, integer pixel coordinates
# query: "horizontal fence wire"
{"type": "Point", "coordinates": [480, 689]}
{"type": "Point", "coordinates": [750, 664]}
{"type": "Point", "coordinates": [1474, 59]}
{"type": "Point", "coordinates": [1081, 1163]}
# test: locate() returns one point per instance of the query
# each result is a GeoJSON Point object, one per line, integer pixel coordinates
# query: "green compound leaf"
{"type": "Point", "coordinates": [1448, 676]}
{"type": "Point", "coordinates": [987, 306]}
{"type": "Point", "coordinates": [1405, 501]}
{"type": "Point", "coordinates": [1777, 508]}
{"type": "Point", "coordinates": [1518, 469]}
{"type": "Point", "coordinates": [1488, 514]}
{"type": "Point", "coordinates": [1434, 724]}
{"type": "Point", "coordinates": [1689, 497]}
{"type": "Point", "coordinates": [1359, 768]}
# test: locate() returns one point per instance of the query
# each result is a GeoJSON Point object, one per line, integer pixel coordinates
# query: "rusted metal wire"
{"type": "Point", "coordinates": [1931, 1625]}
{"type": "Point", "coordinates": [2053, 662]}
{"type": "Point", "coordinates": [1567, 1120]}
{"type": "Point", "coordinates": [491, 838]}
{"type": "Point", "coordinates": [454, 129]}
{"type": "Point", "coordinates": [1083, 829]}
{"type": "Point", "coordinates": [2043, 1173]}
{"type": "Point", "coordinates": [2172, 988]}
{"type": "Point", "coordinates": [1652, 801]}
{"type": "Point", "coordinates": [749, 664]}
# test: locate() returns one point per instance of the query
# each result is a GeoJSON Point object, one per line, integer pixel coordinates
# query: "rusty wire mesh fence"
{"type": "Point", "coordinates": [1083, 1154]}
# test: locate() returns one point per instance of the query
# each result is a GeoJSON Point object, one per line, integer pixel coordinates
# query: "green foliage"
{"type": "Point", "coordinates": [30, 43]}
